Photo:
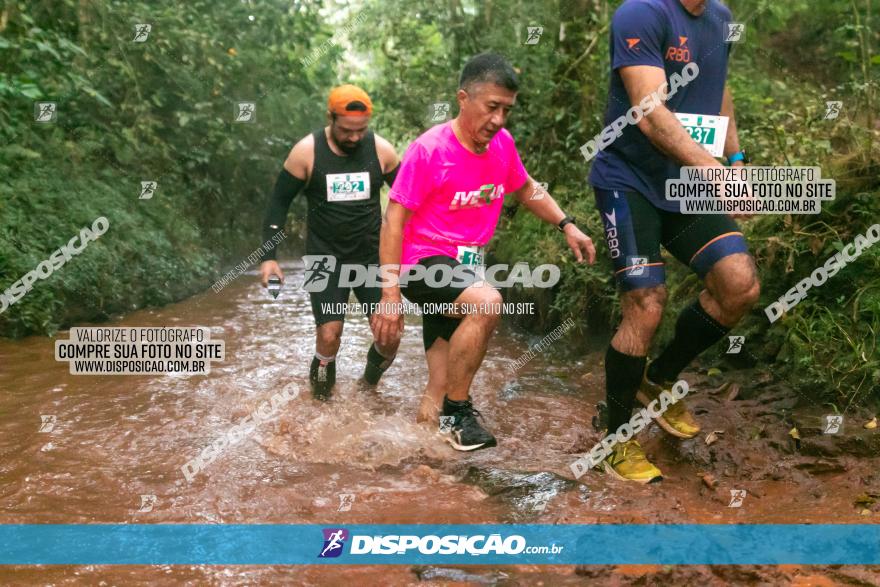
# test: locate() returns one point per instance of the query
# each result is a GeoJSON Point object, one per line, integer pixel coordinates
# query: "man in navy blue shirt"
{"type": "Point", "coordinates": [652, 43]}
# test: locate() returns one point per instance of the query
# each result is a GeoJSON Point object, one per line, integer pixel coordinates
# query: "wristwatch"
{"type": "Point", "coordinates": [564, 222]}
{"type": "Point", "coordinates": [740, 155]}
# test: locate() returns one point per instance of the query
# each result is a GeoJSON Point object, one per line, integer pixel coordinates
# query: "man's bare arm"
{"type": "Point", "coordinates": [298, 167]}
{"type": "Point", "coordinates": [387, 155]}
{"type": "Point", "coordinates": [661, 126]}
{"type": "Point", "coordinates": [731, 142]}
{"type": "Point", "coordinates": [540, 203]}
{"type": "Point", "coordinates": [301, 158]}
{"type": "Point", "coordinates": [391, 244]}
{"type": "Point", "coordinates": [387, 321]}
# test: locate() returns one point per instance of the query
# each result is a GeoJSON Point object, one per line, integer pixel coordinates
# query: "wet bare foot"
{"type": "Point", "coordinates": [429, 411]}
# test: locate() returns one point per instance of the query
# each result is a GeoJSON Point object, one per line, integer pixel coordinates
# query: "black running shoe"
{"type": "Point", "coordinates": [464, 431]}
{"type": "Point", "coordinates": [376, 366]}
{"type": "Point", "coordinates": [322, 376]}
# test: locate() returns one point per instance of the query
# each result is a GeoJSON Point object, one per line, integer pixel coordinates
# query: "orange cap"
{"type": "Point", "coordinates": [342, 96]}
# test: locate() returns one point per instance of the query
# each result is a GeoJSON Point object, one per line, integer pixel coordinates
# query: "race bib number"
{"type": "Point", "coordinates": [470, 255]}
{"type": "Point", "coordinates": [346, 187]}
{"type": "Point", "coordinates": [708, 131]}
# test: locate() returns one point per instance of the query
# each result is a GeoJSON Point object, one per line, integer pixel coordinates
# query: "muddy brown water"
{"type": "Point", "coordinates": [117, 438]}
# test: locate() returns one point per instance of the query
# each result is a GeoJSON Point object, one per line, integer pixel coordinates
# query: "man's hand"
{"type": "Point", "coordinates": [581, 244]}
{"type": "Point", "coordinates": [387, 321]}
{"type": "Point", "coordinates": [268, 269]}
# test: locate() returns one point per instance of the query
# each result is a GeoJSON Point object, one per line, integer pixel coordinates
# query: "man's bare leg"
{"type": "Point", "coordinates": [468, 344]}
{"type": "Point", "coordinates": [453, 364]}
{"type": "Point", "coordinates": [328, 338]}
{"type": "Point", "coordinates": [732, 288]}
{"type": "Point", "coordinates": [625, 359]}
{"type": "Point", "coordinates": [432, 399]}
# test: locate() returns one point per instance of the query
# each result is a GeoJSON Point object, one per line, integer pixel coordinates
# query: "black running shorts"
{"type": "Point", "coordinates": [328, 303]}
{"type": "Point", "coordinates": [426, 292]}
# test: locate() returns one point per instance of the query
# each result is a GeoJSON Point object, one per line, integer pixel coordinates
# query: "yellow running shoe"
{"type": "Point", "coordinates": [628, 462]}
{"type": "Point", "coordinates": [676, 420]}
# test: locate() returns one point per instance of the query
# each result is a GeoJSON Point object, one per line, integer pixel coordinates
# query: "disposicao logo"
{"type": "Point", "coordinates": [334, 541]}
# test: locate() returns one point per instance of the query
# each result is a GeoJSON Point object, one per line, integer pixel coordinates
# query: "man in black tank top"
{"type": "Point", "coordinates": [342, 167]}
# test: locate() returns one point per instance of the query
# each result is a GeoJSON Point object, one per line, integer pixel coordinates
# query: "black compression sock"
{"type": "Point", "coordinates": [695, 331]}
{"type": "Point", "coordinates": [378, 359]}
{"type": "Point", "coordinates": [450, 406]}
{"type": "Point", "coordinates": [376, 365]}
{"type": "Point", "coordinates": [623, 375]}
{"type": "Point", "coordinates": [325, 377]}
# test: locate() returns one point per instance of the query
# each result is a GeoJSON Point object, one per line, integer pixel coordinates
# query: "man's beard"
{"type": "Point", "coordinates": [349, 149]}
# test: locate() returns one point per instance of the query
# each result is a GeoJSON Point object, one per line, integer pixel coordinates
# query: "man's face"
{"type": "Point", "coordinates": [484, 109]}
{"type": "Point", "coordinates": [695, 7]}
{"type": "Point", "coordinates": [348, 131]}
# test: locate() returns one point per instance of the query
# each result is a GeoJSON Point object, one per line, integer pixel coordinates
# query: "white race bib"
{"type": "Point", "coordinates": [708, 131]}
{"type": "Point", "coordinates": [345, 187]}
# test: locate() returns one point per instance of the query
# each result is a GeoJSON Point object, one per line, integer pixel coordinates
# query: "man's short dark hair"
{"type": "Point", "coordinates": [488, 67]}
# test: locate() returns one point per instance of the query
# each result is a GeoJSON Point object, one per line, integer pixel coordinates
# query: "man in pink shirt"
{"type": "Point", "coordinates": [444, 207]}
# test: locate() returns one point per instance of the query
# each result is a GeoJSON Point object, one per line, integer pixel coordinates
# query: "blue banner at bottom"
{"type": "Point", "coordinates": [367, 544]}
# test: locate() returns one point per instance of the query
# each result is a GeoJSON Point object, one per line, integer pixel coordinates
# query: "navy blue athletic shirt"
{"type": "Point", "coordinates": [663, 34]}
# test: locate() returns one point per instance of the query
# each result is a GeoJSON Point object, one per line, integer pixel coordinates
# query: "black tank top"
{"type": "Point", "coordinates": [344, 212]}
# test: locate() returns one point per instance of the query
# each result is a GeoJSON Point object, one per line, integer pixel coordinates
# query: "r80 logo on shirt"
{"type": "Point", "coordinates": [345, 187]}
